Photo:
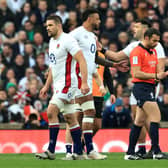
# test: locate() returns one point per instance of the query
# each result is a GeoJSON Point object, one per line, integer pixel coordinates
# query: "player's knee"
{"type": "Point", "coordinates": [139, 121]}
{"type": "Point", "coordinates": [88, 107]}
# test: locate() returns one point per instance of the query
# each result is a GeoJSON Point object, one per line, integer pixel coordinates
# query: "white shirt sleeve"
{"type": "Point", "coordinates": [72, 45]}
{"type": "Point", "coordinates": [160, 51]}
{"type": "Point", "coordinates": [127, 50]}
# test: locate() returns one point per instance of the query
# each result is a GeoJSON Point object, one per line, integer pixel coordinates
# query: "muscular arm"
{"type": "Point", "coordinates": [101, 61]}
{"type": "Point", "coordinates": [82, 65]}
{"type": "Point", "coordinates": [115, 56]}
{"type": "Point", "coordinates": [137, 73]}
{"type": "Point", "coordinates": [49, 79]}
{"type": "Point", "coordinates": [108, 80]}
{"type": "Point", "coordinates": [161, 65]}
{"type": "Point", "coordinates": [98, 80]}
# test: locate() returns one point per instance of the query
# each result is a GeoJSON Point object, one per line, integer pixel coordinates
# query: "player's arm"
{"type": "Point", "coordinates": [83, 70]}
{"type": "Point", "coordinates": [114, 56]}
{"type": "Point", "coordinates": [161, 65]}
{"type": "Point", "coordinates": [48, 82]}
{"type": "Point", "coordinates": [99, 82]}
{"type": "Point", "coordinates": [109, 82]}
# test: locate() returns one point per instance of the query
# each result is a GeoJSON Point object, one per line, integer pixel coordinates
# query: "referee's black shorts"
{"type": "Point", "coordinates": [98, 102]}
{"type": "Point", "coordinates": [143, 92]}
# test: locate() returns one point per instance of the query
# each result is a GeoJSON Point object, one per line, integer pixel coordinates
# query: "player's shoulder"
{"type": "Point", "coordinates": [77, 30]}
{"type": "Point", "coordinates": [159, 46]}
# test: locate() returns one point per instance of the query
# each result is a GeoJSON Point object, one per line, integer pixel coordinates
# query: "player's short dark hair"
{"type": "Point", "coordinates": [56, 19]}
{"type": "Point", "coordinates": [151, 31]}
{"type": "Point", "coordinates": [89, 12]}
{"type": "Point", "coordinates": [145, 22]}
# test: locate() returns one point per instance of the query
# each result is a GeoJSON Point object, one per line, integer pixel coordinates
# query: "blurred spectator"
{"type": "Point", "coordinates": [42, 12]}
{"type": "Point", "coordinates": [83, 5]}
{"type": "Point", "coordinates": [19, 47]}
{"type": "Point", "coordinates": [126, 101]}
{"type": "Point", "coordinates": [164, 107]}
{"type": "Point", "coordinates": [118, 90]}
{"type": "Point", "coordinates": [162, 9]}
{"type": "Point", "coordinates": [71, 23]}
{"type": "Point", "coordinates": [10, 74]}
{"type": "Point", "coordinates": [104, 39]}
{"type": "Point", "coordinates": [34, 123]}
{"type": "Point", "coordinates": [116, 116]}
{"type": "Point", "coordinates": [29, 55]}
{"type": "Point", "coordinates": [29, 77]}
{"type": "Point", "coordinates": [124, 7]}
{"type": "Point", "coordinates": [3, 106]}
{"type": "Point", "coordinates": [2, 69]}
{"type": "Point", "coordinates": [23, 15]}
{"type": "Point", "coordinates": [30, 30]}
{"type": "Point", "coordinates": [142, 9]}
{"type": "Point", "coordinates": [40, 68]}
{"type": "Point", "coordinates": [111, 28]}
{"type": "Point", "coordinates": [165, 42]}
{"type": "Point", "coordinates": [152, 14]}
{"type": "Point", "coordinates": [5, 13]}
{"type": "Point", "coordinates": [9, 35]}
{"type": "Point", "coordinates": [39, 45]}
{"type": "Point", "coordinates": [122, 40]}
{"type": "Point", "coordinates": [15, 5]}
{"type": "Point", "coordinates": [113, 46]}
{"type": "Point", "coordinates": [19, 67]}
{"type": "Point", "coordinates": [61, 11]}
{"type": "Point", "coordinates": [102, 8]}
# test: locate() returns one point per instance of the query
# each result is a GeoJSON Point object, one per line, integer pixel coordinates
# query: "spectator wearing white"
{"type": "Point", "coordinates": [15, 5]}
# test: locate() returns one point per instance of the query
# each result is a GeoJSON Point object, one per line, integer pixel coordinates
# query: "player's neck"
{"type": "Point", "coordinates": [87, 27]}
{"type": "Point", "coordinates": [58, 35]}
{"type": "Point", "coordinates": [145, 44]}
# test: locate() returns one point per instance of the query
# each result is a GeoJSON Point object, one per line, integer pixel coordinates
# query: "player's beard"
{"type": "Point", "coordinates": [95, 27]}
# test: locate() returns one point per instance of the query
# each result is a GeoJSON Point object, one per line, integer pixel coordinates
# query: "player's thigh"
{"type": "Point", "coordinates": [140, 117]}
{"type": "Point", "coordinates": [152, 111]}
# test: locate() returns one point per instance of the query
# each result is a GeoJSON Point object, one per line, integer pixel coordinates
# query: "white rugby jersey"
{"type": "Point", "coordinates": [159, 49]}
{"type": "Point", "coordinates": [87, 43]}
{"type": "Point", "coordinates": [61, 62]}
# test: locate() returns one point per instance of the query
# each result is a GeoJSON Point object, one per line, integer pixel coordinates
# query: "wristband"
{"type": "Point", "coordinates": [103, 51]}
{"type": "Point", "coordinates": [156, 76]}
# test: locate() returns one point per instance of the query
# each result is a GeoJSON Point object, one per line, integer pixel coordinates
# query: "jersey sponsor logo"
{"type": "Point", "coordinates": [52, 58]}
{"type": "Point", "coordinates": [135, 60]}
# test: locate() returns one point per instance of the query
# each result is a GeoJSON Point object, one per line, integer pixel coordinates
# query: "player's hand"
{"type": "Point", "coordinates": [162, 75]}
{"type": "Point", "coordinates": [122, 66]}
{"type": "Point", "coordinates": [43, 91]}
{"type": "Point", "coordinates": [112, 99]}
{"type": "Point", "coordinates": [98, 45]}
{"type": "Point", "coordinates": [84, 88]}
{"type": "Point", "coordinates": [102, 90]}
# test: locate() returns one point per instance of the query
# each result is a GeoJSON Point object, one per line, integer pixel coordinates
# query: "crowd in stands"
{"type": "Point", "coordinates": [24, 53]}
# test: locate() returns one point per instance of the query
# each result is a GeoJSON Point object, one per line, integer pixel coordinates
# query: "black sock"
{"type": "Point", "coordinates": [154, 135]}
{"type": "Point", "coordinates": [133, 138]}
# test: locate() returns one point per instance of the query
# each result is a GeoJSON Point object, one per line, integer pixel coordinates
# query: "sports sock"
{"type": "Point", "coordinates": [154, 135]}
{"type": "Point", "coordinates": [68, 147]}
{"type": "Point", "coordinates": [141, 148]}
{"type": "Point", "coordinates": [76, 136]}
{"type": "Point", "coordinates": [88, 140]}
{"type": "Point", "coordinates": [53, 129]}
{"type": "Point", "coordinates": [134, 134]}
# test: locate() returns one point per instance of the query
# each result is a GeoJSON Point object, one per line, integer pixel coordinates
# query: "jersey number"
{"type": "Point", "coordinates": [93, 48]}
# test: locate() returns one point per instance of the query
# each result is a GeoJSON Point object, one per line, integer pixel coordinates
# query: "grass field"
{"type": "Point", "coordinates": [115, 160]}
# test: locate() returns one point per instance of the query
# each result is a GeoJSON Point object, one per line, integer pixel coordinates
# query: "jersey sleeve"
{"type": "Point", "coordinates": [135, 57]}
{"type": "Point", "coordinates": [72, 45]}
{"type": "Point", "coordinates": [127, 50]}
{"type": "Point", "coordinates": [160, 51]}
